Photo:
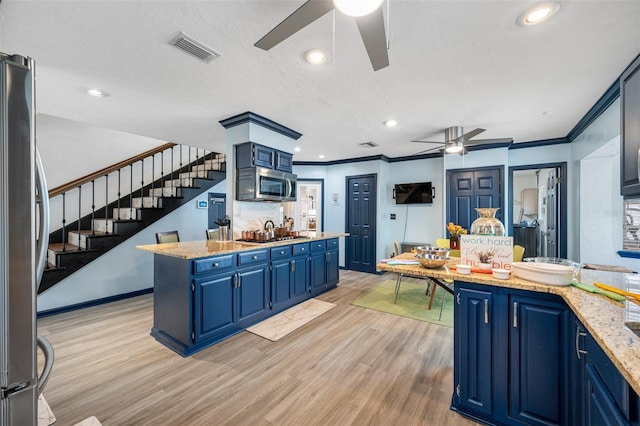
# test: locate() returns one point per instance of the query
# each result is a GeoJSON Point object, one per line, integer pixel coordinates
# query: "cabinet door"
{"type": "Point", "coordinates": [332, 267]}
{"type": "Point", "coordinates": [538, 361]}
{"type": "Point", "coordinates": [318, 270]}
{"type": "Point", "coordinates": [281, 283]}
{"type": "Point", "coordinates": [263, 156]}
{"type": "Point", "coordinates": [284, 161]}
{"type": "Point", "coordinates": [253, 294]}
{"type": "Point", "coordinates": [214, 310]}
{"type": "Point", "coordinates": [630, 130]}
{"type": "Point", "coordinates": [600, 408]}
{"type": "Point", "coordinates": [300, 287]}
{"type": "Point", "coordinates": [473, 350]}
{"type": "Point", "coordinates": [578, 357]}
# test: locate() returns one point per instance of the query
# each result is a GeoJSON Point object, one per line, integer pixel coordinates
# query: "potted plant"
{"type": "Point", "coordinates": [484, 258]}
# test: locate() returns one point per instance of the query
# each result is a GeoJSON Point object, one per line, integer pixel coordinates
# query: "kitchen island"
{"type": "Point", "coordinates": [206, 291]}
{"type": "Point", "coordinates": [531, 353]}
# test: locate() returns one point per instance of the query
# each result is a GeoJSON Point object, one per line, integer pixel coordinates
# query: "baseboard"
{"type": "Point", "coordinates": [90, 303]}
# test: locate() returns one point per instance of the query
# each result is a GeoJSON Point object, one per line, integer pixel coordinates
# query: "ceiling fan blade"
{"type": "Point", "coordinates": [471, 134]}
{"type": "Point", "coordinates": [303, 16]}
{"type": "Point", "coordinates": [429, 150]}
{"type": "Point", "coordinates": [373, 35]}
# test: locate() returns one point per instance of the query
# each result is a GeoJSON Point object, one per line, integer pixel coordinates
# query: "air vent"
{"type": "Point", "coordinates": [368, 144]}
{"type": "Point", "coordinates": [195, 48]}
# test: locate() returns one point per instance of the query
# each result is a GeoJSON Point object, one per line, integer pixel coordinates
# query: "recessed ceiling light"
{"type": "Point", "coordinates": [321, 156]}
{"type": "Point", "coordinates": [357, 7]}
{"type": "Point", "coordinates": [538, 13]}
{"type": "Point", "coordinates": [297, 149]}
{"type": "Point", "coordinates": [547, 112]}
{"type": "Point", "coordinates": [391, 123]}
{"type": "Point", "coordinates": [97, 93]}
{"type": "Point", "coordinates": [315, 56]}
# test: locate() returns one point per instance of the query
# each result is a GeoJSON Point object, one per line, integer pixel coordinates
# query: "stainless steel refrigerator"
{"type": "Point", "coordinates": [24, 230]}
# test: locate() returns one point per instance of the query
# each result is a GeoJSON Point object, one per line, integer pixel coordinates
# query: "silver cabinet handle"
{"type": "Point", "coordinates": [254, 257]}
{"type": "Point", "coordinates": [216, 264]}
{"type": "Point", "coordinates": [293, 266]}
{"type": "Point", "coordinates": [301, 248]}
{"type": "Point", "coordinates": [578, 335]}
{"type": "Point", "coordinates": [515, 314]}
{"type": "Point", "coordinates": [486, 311]}
{"type": "Point", "coordinates": [281, 251]}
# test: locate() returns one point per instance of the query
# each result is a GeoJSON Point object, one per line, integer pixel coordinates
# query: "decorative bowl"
{"type": "Point", "coordinates": [431, 261]}
{"type": "Point", "coordinates": [463, 269]}
{"type": "Point", "coordinates": [501, 274]}
{"type": "Point", "coordinates": [435, 250]}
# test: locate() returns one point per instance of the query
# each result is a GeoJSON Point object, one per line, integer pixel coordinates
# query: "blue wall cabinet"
{"type": "Point", "coordinates": [252, 154]}
{"type": "Point", "coordinates": [473, 351]}
{"type": "Point", "coordinates": [630, 130]}
{"type": "Point", "coordinates": [283, 161]}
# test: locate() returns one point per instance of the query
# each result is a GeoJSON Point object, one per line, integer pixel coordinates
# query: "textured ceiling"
{"type": "Point", "coordinates": [452, 63]}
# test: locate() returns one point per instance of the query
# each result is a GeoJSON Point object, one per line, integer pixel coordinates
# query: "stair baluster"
{"type": "Point", "coordinates": [119, 193]}
{"type": "Point", "coordinates": [64, 226]}
{"type": "Point", "coordinates": [79, 213]}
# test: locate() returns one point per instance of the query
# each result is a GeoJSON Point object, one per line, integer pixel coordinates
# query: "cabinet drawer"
{"type": "Point", "coordinates": [214, 263]}
{"type": "Point", "coordinates": [253, 257]}
{"type": "Point", "coordinates": [332, 244]}
{"type": "Point", "coordinates": [318, 246]}
{"type": "Point", "coordinates": [301, 249]}
{"type": "Point", "coordinates": [280, 252]}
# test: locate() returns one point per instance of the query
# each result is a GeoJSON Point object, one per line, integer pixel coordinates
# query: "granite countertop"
{"type": "Point", "coordinates": [206, 248]}
{"type": "Point", "coordinates": [603, 317]}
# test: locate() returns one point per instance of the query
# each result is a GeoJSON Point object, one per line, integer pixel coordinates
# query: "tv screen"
{"type": "Point", "coordinates": [413, 193]}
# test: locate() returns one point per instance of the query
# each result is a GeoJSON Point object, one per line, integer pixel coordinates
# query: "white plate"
{"type": "Point", "coordinates": [545, 273]}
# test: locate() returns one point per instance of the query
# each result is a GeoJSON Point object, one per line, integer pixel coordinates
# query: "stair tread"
{"type": "Point", "coordinates": [60, 247]}
{"type": "Point", "coordinates": [94, 233]}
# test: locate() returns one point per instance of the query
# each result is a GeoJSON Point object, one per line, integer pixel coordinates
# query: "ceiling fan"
{"type": "Point", "coordinates": [368, 15]}
{"type": "Point", "coordinates": [456, 141]}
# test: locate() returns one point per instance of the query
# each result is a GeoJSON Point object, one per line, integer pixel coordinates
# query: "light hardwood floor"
{"type": "Point", "coordinates": [350, 366]}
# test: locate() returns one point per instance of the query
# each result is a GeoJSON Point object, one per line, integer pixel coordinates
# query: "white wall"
{"type": "Point", "coordinates": [124, 269]}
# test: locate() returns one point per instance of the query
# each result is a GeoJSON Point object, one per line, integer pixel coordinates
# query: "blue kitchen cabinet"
{"type": "Point", "coordinates": [214, 307]}
{"type": "Point", "coordinates": [300, 275]}
{"type": "Point", "coordinates": [324, 265]}
{"type": "Point", "coordinates": [603, 396]}
{"type": "Point", "coordinates": [289, 275]}
{"type": "Point", "coordinates": [283, 161]}
{"type": "Point", "coordinates": [473, 351]}
{"type": "Point", "coordinates": [252, 154]}
{"type": "Point", "coordinates": [253, 287]}
{"type": "Point", "coordinates": [510, 355]}
{"type": "Point", "coordinates": [539, 329]}
{"type": "Point", "coordinates": [281, 284]}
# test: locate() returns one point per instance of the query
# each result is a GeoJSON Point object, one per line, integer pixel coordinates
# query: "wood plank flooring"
{"type": "Point", "coordinates": [350, 366]}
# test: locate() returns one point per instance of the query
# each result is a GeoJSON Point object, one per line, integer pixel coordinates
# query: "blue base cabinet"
{"type": "Point", "coordinates": [324, 269]}
{"type": "Point", "coordinates": [200, 302]}
{"type": "Point", "coordinates": [510, 365]}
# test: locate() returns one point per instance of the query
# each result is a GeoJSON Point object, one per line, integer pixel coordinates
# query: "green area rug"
{"type": "Point", "coordinates": [412, 302]}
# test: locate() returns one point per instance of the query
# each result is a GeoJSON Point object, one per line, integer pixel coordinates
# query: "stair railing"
{"type": "Point", "coordinates": [123, 190]}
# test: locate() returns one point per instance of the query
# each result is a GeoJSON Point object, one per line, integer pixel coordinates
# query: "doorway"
{"type": "Point", "coordinates": [538, 208]}
{"type": "Point", "coordinates": [361, 223]}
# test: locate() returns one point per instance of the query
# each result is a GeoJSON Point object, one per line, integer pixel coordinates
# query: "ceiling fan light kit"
{"type": "Point", "coordinates": [357, 8]}
{"type": "Point", "coordinates": [456, 141]}
{"type": "Point", "coordinates": [454, 147]}
{"type": "Point", "coordinates": [370, 22]}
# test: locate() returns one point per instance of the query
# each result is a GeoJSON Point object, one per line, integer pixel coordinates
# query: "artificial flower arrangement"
{"type": "Point", "coordinates": [455, 229]}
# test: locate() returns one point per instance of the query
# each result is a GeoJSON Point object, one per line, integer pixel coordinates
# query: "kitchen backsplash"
{"type": "Point", "coordinates": [249, 216]}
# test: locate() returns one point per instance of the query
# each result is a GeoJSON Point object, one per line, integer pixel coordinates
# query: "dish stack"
{"type": "Point", "coordinates": [432, 257]}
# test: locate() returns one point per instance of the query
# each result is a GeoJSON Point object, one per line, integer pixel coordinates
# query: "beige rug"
{"type": "Point", "coordinates": [45, 415]}
{"type": "Point", "coordinates": [285, 322]}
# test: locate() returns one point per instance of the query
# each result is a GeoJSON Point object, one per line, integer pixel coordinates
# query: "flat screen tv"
{"type": "Point", "coordinates": [413, 193]}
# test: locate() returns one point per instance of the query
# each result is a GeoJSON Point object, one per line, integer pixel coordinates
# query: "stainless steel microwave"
{"type": "Point", "coordinates": [262, 184]}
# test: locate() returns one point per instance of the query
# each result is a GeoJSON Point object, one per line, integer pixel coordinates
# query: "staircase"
{"type": "Point", "coordinates": [93, 233]}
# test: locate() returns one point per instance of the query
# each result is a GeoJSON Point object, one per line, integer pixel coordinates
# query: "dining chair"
{"type": "Point", "coordinates": [397, 246]}
{"type": "Point", "coordinates": [167, 237]}
{"type": "Point", "coordinates": [518, 253]}
{"type": "Point", "coordinates": [444, 243]}
{"type": "Point", "coordinates": [213, 234]}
